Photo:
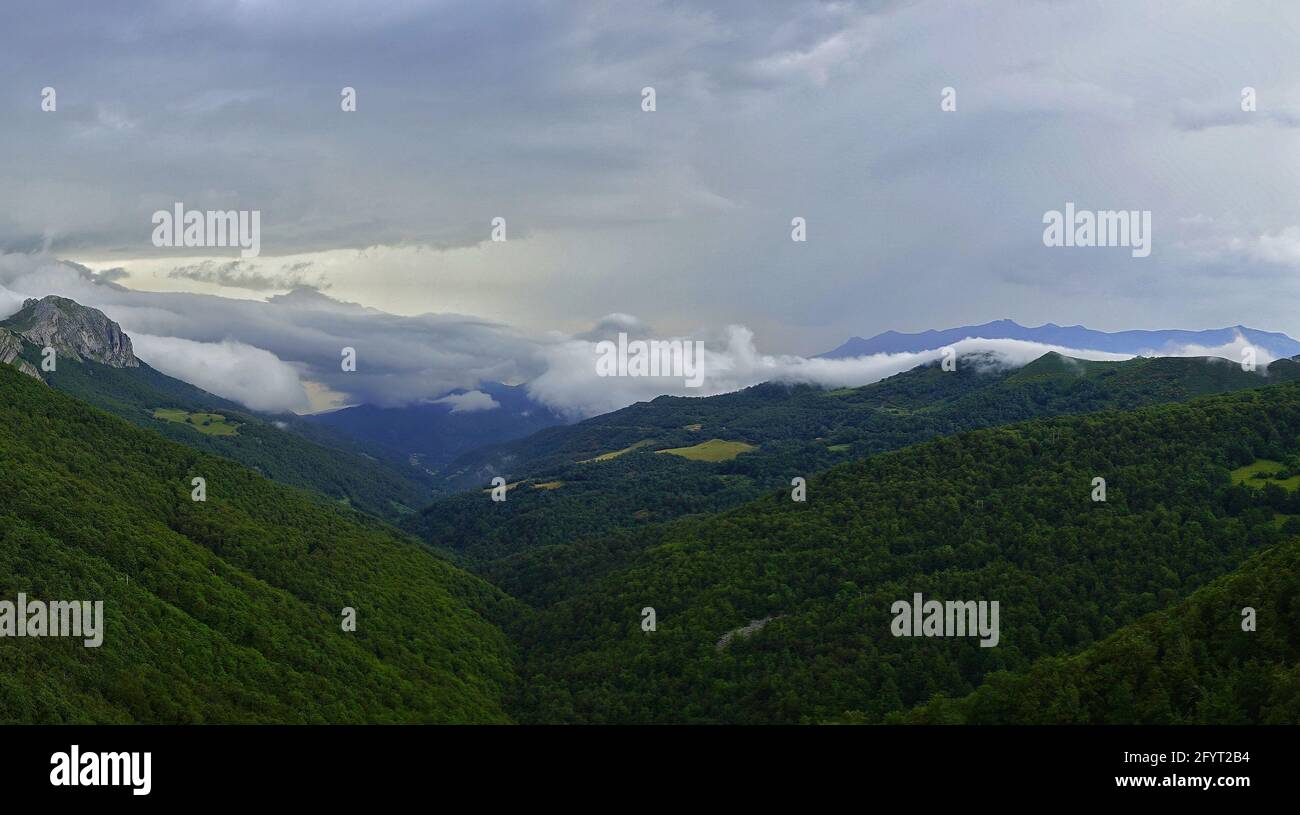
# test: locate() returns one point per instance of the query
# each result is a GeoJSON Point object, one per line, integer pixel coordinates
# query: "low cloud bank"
{"type": "Point", "coordinates": [270, 354]}
{"type": "Point", "coordinates": [732, 361]}
{"type": "Point", "coordinates": [251, 376]}
{"type": "Point", "coordinates": [470, 402]}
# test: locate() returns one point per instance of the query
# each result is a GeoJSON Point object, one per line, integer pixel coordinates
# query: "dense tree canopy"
{"type": "Point", "coordinates": [227, 610]}
{"type": "Point", "coordinates": [1002, 514]}
{"type": "Point", "coordinates": [284, 448]}
{"type": "Point", "coordinates": [767, 610]}
{"type": "Point", "coordinates": [592, 505]}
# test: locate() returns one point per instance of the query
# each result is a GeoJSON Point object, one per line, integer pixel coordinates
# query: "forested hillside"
{"type": "Point", "coordinates": [1190, 664]}
{"type": "Point", "coordinates": [1002, 514]}
{"type": "Point", "coordinates": [608, 474]}
{"type": "Point", "coordinates": [227, 610]}
{"type": "Point", "coordinates": [294, 451]}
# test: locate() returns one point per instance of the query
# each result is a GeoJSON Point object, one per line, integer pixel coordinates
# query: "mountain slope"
{"type": "Point", "coordinates": [95, 363]}
{"type": "Point", "coordinates": [566, 494]}
{"type": "Point", "coordinates": [1189, 664]}
{"type": "Point", "coordinates": [1073, 336]}
{"type": "Point", "coordinates": [226, 610]}
{"type": "Point", "coordinates": [1002, 514]}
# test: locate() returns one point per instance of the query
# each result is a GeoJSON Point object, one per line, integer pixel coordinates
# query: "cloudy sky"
{"type": "Point", "coordinates": [376, 223]}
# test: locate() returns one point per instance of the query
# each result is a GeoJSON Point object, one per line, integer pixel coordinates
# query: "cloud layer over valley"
{"type": "Point", "coordinates": [285, 352]}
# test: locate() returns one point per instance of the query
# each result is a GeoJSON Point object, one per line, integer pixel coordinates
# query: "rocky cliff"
{"type": "Point", "coordinates": [11, 346]}
{"type": "Point", "coordinates": [73, 331]}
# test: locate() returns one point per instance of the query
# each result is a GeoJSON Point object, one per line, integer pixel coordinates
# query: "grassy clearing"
{"type": "Point", "coordinates": [711, 450]}
{"type": "Point", "coordinates": [617, 453]}
{"type": "Point", "coordinates": [211, 424]}
{"type": "Point", "coordinates": [1263, 471]}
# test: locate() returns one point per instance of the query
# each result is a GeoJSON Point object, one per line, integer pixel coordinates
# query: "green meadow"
{"type": "Point", "coordinates": [1264, 471]}
{"type": "Point", "coordinates": [212, 424]}
{"type": "Point", "coordinates": [711, 450]}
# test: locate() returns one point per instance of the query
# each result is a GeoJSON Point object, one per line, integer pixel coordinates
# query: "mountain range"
{"type": "Point", "coordinates": [629, 471]}
{"type": "Point", "coordinates": [973, 484]}
{"type": "Point", "coordinates": [1071, 336]}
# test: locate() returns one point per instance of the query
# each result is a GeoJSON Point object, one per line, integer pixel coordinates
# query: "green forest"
{"type": "Point", "coordinates": [227, 610]}
{"type": "Point", "coordinates": [284, 447]}
{"type": "Point", "coordinates": [974, 485]}
{"type": "Point", "coordinates": [1188, 664]}
{"type": "Point", "coordinates": [1001, 514]}
{"type": "Point", "coordinates": [798, 431]}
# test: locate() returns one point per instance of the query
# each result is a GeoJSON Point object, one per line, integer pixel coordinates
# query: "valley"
{"type": "Point", "coordinates": [616, 482]}
{"type": "Point", "coordinates": [975, 484]}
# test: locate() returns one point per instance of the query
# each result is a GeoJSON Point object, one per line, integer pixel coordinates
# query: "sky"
{"type": "Point", "coordinates": [376, 223]}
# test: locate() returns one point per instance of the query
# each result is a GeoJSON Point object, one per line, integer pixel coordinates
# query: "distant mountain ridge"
{"type": "Point", "coordinates": [1074, 336]}
{"type": "Point", "coordinates": [610, 475]}
{"type": "Point", "coordinates": [432, 434]}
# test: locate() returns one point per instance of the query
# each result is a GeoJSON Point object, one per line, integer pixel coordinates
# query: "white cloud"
{"type": "Point", "coordinates": [233, 370]}
{"type": "Point", "coordinates": [270, 355]}
{"type": "Point", "coordinates": [1280, 247]}
{"type": "Point", "coordinates": [10, 301]}
{"type": "Point", "coordinates": [469, 402]}
{"type": "Point", "coordinates": [1231, 351]}
{"type": "Point", "coordinates": [571, 386]}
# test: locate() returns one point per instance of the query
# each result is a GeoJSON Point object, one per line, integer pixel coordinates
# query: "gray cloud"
{"type": "Point", "coordinates": [244, 274]}
{"type": "Point", "coordinates": [400, 359]}
{"type": "Point", "coordinates": [114, 274]}
{"type": "Point", "coordinates": [265, 354]}
{"type": "Point", "coordinates": [530, 111]}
